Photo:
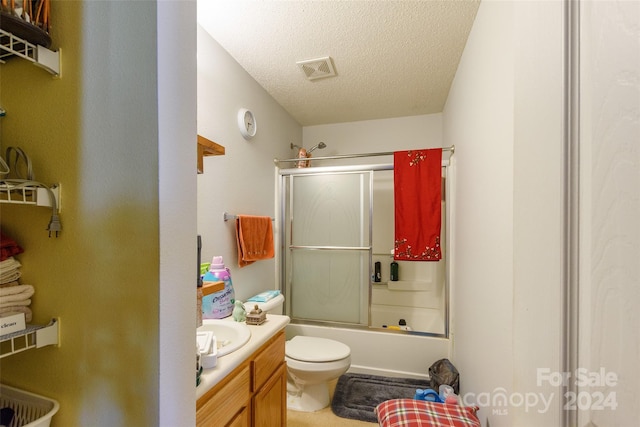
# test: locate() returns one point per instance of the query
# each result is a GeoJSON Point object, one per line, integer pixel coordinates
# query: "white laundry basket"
{"type": "Point", "coordinates": [30, 410]}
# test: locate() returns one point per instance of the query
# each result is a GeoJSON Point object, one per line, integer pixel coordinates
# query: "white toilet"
{"type": "Point", "coordinates": [311, 363]}
{"type": "Point", "coordinates": [273, 306]}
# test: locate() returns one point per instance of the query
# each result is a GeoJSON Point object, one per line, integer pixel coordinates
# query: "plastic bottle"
{"type": "Point", "coordinates": [447, 394]}
{"type": "Point", "coordinates": [428, 395]}
{"type": "Point", "coordinates": [403, 325]}
{"type": "Point", "coordinates": [218, 304]}
{"type": "Point", "coordinates": [377, 275]}
{"type": "Point", "coordinates": [394, 272]}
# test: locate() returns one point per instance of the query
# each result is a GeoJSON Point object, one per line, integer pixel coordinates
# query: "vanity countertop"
{"type": "Point", "coordinates": [260, 334]}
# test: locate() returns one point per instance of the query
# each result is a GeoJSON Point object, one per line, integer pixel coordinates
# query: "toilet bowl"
{"type": "Point", "coordinates": [311, 363]}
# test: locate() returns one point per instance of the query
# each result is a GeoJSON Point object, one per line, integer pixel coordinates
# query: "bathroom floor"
{"type": "Point", "coordinates": [323, 418]}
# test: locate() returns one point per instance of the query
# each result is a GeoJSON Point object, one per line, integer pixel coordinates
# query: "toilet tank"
{"type": "Point", "coordinates": [274, 306]}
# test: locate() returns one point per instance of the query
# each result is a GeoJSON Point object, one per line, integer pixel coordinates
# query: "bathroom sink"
{"type": "Point", "coordinates": [230, 335]}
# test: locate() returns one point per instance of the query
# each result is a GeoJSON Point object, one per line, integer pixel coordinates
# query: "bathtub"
{"type": "Point", "coordinates": [419, 303]}
{"type": "Point", "coordinates": [393, 354]}
{"type": "Point", "coordinates": [418, 319]}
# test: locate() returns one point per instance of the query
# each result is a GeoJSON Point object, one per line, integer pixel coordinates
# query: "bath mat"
{"type": "Point", "coordinates": [357, 395]}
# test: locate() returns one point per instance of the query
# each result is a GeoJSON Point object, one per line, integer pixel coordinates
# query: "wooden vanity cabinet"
{"type": "Point", "coordinates": [269, 375]}
{"type": "Point", "coordinates": [270, 402]}
{"type": "Point", "coordinates": [253, 394]}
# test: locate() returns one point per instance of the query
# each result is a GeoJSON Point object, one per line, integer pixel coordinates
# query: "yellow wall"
{"type": "Point", "coordinates": [94, 132]}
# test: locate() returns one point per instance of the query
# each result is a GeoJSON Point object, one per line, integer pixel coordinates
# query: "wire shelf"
{"type": "Point", "coordinates": [11, 45]}
{"type": "Point", "coordinates": [34, 336]}
{"type": "Point", "coordinates": [37, 195]}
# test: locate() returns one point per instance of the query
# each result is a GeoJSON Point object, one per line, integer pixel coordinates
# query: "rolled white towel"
{"type": "Point", "coordinates": [9, 264]}
{"type": "Point", "coordinates": [16, 295]}
{"type": "Point", "coordinates": [22, 302]}
{"type": "Point", "coordinates": [10, 276]}
{"type": "Point", "coordinates": [9, 270]}
{"type": "Point", "coordinates": [14, 283]}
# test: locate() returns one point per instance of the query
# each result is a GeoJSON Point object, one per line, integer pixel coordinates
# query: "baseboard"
{"type": "Point", "coordinates": [359, 369]}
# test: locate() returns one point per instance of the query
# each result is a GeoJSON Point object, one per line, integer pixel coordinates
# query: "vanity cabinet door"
{"type": "Point", "coordinates": [270, 402]}
{"type": "Point", "coordinates": [241, 420]}
{"type": "Point", "coordinates": [225, 403]}
{"type": "Point", "coordinates": [268, 360]}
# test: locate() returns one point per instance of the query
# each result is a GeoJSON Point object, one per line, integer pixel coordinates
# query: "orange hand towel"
{"type": "Point", "coordinates": [254, 235]}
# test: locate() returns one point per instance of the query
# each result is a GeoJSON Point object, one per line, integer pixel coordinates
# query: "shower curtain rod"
{"type": "Point", "coordinates": [452, 149]}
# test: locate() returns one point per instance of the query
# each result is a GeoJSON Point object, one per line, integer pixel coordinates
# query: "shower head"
{"type": "Point", "coordinates": [320, 145]}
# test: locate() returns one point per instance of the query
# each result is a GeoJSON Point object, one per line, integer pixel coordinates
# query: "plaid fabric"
{"type": "Point", "coordinates": [420, 413]}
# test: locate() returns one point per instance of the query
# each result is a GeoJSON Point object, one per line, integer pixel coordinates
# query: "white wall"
{"type": "Point", "coordinates": [371, 136]}
{"type": "Point", "coordinates": [478, 118]}
{"type": "Point", "coordinates": [537, 207]}
{"type": "Point", "coordinates": [609, 284]}
{"type": "Point", "coordinates": [177, 199]}
{"type": "Point", "coordinates": [241, 181]}
{"type": "Point", "coordinates": [503, 114]}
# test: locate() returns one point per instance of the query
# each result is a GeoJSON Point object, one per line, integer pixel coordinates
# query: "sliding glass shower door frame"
{"type": "Point", "coordinates": [357, 313]}
{"type": "Point", "coordinates": [285, 182]}
{"type": "Point", "coordinates": [285, 174]}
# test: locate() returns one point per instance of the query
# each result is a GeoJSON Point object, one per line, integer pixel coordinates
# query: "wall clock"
{"type": "Point", "coordinates": [247, 123]}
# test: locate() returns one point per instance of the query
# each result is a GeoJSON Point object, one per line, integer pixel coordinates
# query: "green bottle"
{"type": "Point", "coordinates": [394, 271]}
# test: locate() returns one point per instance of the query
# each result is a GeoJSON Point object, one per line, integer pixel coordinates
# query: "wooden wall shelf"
{"type": "Point", "coordinates": [206, 147]}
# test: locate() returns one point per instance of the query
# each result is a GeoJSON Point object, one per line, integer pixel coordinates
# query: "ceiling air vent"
{"type": "Point", "coordinates": [317, 68]}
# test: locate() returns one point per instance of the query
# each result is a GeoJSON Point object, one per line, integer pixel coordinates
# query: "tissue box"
{"type": "Point", "coordinates": [12, 322]}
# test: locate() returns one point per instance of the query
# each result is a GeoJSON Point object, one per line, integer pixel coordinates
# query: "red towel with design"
{"type": "Point", "coordinates": [417, 180]}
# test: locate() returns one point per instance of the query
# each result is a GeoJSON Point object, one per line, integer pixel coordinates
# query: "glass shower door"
{"type": "Point", "coordinates": [328, 223]}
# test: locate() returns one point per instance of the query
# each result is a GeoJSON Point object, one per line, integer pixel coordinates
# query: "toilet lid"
{"type": "Point", "coordinates": [313, 349]}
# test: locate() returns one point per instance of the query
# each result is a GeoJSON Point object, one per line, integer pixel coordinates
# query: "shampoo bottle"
{"type": "Point", "coordinates": [394, 272]}
{"type": "Point", "coordinates": [377, 275]}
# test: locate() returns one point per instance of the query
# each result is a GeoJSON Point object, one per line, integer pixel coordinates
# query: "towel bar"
{"type": "Point", "coordinates": [228, 216]}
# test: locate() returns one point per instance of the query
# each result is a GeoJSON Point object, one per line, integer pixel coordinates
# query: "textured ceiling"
{"type": "Point", "coordinates": [392, 58]}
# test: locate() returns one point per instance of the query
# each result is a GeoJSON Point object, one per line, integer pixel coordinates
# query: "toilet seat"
{"type": "Point", "coordinates": [314, 349]}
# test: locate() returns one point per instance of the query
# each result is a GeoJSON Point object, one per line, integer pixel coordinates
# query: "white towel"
{"type": "Point", "coordinates": [22, 302]}
{"type": "Point", "coordinates": [9, 264]}
{"type": "Point", "coordinates": [10, 294]}
{"type": "Point", "coordinates": [28, 314]}
{"type": "Point", "coordinates": [9, 270]}
{"type": "Point", "coordinates": [10, 277]}
{"type": "Point", "coordinates": [14, 283]}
